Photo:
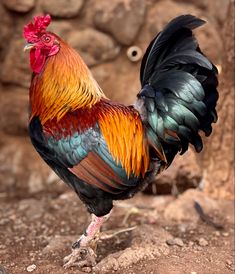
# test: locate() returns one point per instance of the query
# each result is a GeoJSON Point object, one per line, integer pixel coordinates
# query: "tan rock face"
{"type": "Point", "coordinates": [207, 35]}
{"type": "Point", "coordinates": [16, 65]}
{"type": "Point", "coordinates": [217, 8]}
{"type": "Point", "coordinates": [62, 8]}
{"type": "Point", "coordinates": [101, 31]}
{"type": "Point", "coordinates": [22, 172]}
{"type": "Point", "coordinates": [183, 173]}
{"type": "Point", "coordinates": [61, 28]}
{"type": "Point", "coordinates": [122, 19]}
{"type": "Point", "coordinates": [14, 104]}
{"type": "Point", "coordinates": [94, 46]}
{"type": "Point", "coordinates": [182, 209]}
{"type": "Point", "coordinates": [218, 161]}
{"type": "Point", "coordinates": [19, 5]}
{"type": "Point", "coordinates": [5, 31]}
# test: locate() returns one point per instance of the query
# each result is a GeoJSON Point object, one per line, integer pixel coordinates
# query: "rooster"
{"type": "Point", "coordinates": [106, 151]}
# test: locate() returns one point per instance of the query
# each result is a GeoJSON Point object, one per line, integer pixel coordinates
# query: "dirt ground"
{"type": "Point", "coordinates": [36, 234]}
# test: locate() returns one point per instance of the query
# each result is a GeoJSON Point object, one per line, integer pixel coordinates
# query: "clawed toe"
{"type": "Point", "coordinates": [83, 257]}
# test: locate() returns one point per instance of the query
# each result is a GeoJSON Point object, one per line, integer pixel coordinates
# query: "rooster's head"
{"type": "Point", "coordinates": [40, 42]}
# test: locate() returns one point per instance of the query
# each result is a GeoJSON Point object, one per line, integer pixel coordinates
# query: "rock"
{"type": "Point", "coordinates": [6, 31]}
{"type": "Point", "coordinates": [175, 241]}
{"type": "Point", "coordinates": [122, 19]}
{"type": "Point", "coordinates": [61, 28]}
{"type": "Point", "coordinates": [225, 234]}
{"type": "Point", "coordinates": [203, 242]}
{"type": "Point", "coordinates": [170, 9]}
{"type": "Point", "coordinates": [62, 8]}
{"type": "Point", "coordinates": [31, 268]}
{"type": "Point", "coordinates": [218, 9]}
{"type": "Point", "coordinates": [184, 173]}
{"type": "Point", "coordinates": [123, 72]}
{"type": "Point", "coordinates": [149, 235]}
{"type": "Point", "coordinates": [217, 233]}
{"type": "Point", "coordinates": [18, 160]}
{"type": "Point", "coordinates": [14, 104]}
{"type": "Point", "coordinates": [16, 65]}
{"type": "Point", "coordinates": [229, 262]}
{"type": "Point", "coordinates": [19, 5]}
{"type": "Point", "coordinates": [201, 4]}
{"type": "Point", "coordinates": [218, 158]}
{"type": "Point", "coordinates": [214, 8]}
{"type": "Point", "coordinates": [52, 178]}
{"type": "Point", "coordinates": [207, 35]}
{"type": "Point", "coordinates": [182, 209]}
{"type": "Point", "coordinates": [35, 182]}
{"type": "Point", "coordinates": [94, 46]}
{"type": "Point", "coordinates": [58, 243]}
{"type": "Point", "coordinates": [148, 243]}
{"type": "Point", "coordinates": [3, 270]}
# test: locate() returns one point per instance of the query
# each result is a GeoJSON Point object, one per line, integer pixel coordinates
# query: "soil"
{"type": "Point", "coordinates": [37, 233]}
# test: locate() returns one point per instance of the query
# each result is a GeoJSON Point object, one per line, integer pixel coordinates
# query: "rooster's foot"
{"type": "Point", "coordinates": [83, 254]}
{"type": "Point", "coordinates": [82, 257]}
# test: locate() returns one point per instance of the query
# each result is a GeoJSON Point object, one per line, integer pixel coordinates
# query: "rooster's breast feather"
{"type": "Point", "coordinates": [105, 149]}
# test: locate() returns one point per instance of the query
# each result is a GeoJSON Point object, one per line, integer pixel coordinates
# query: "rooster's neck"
{"type": "Point", "coordinates": [64, 85]}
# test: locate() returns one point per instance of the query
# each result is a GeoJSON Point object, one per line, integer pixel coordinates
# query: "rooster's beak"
{"type": "Point", "coordinates": [28, 46]}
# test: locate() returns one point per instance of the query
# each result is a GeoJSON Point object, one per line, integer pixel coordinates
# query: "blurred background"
{"type": "Point", "coordinates": [111, 36]}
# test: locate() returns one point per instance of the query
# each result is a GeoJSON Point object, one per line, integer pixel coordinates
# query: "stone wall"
{"type": "Point", "coordinates": [102, 31]}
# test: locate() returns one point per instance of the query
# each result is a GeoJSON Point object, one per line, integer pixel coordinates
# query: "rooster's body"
{"type": "Point", "coordinates": [107, 151]}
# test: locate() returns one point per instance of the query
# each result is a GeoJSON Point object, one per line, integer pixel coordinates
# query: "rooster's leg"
{"type": "Point", "coordinates": [83, 251]}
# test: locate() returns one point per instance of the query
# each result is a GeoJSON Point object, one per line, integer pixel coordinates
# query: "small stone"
{"type": "Point", "coordinates": [191, 243]}
{"type": "Point", "coordinates": [4, 221]}
{"type": "Point", "coordinates": [31, 268]}
{"type": "Point", "coordinates": [217, 233]}
{"type": "Point", "coordinates": [198, 248]}
{"type": "Point", "coordinates": [183, 228]}
{"type": "Point", "coordinates": [62, 8]}
{"type": "Point", "coordinates": [202, 242]}
{"type": "Point", "coordinates": [228, 262]}
{"type": "Point", "coordinates": [175, 241]}
{"type": "Point", "coordinates": [225, 234]}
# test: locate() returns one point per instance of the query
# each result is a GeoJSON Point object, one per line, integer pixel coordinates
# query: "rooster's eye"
{"type": "Point", "coordinates": [46, 39]}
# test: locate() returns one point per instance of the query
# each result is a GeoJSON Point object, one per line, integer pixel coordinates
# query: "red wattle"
{"type": "Point", "coordinates": [37, 60]}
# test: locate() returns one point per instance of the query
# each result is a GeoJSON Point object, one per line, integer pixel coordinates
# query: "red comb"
{"type": "Point", "coordinates": [34, 29]}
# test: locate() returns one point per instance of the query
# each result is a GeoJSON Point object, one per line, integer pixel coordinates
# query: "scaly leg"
{"type": "Point", "coordinates": [83, 250]}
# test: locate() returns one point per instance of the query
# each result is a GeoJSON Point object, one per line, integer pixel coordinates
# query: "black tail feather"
{"type": "Point", "coordinates": [179, 88]}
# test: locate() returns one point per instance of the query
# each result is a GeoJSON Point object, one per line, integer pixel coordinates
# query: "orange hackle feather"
{"type": "Point", "coordinates": [66, 85]}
